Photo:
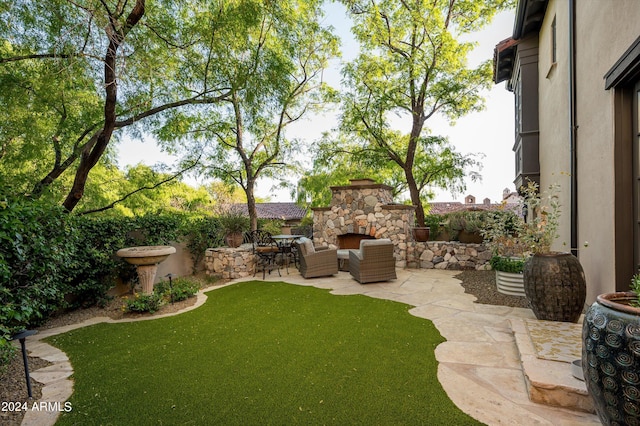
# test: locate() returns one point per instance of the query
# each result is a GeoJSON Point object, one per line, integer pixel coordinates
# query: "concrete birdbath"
{"type": "Point", "coordinates": [146, 259]}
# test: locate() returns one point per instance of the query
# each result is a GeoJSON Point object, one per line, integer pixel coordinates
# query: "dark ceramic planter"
{"type": "Point", "coordinates": [555, 286]}
{"type": "Point", "coordinates": [611, 358]}
{"type": "Point", "coordinates": [421, 234]}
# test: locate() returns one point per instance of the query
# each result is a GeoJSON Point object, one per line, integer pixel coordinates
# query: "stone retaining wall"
{"type": "Point", "coordinates": [233, 263]}
{"type": "Point", "coordinates": [448, 255]}
{"type": "Point", "coordinates": [230, 263]}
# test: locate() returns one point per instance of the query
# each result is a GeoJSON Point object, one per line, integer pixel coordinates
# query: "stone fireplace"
{"type": "Point", "coordinates": [364, 209]}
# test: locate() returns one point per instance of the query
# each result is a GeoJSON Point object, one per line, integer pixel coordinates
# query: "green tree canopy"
{"type": "Point", "coordinates": [412, 66]}
{"type": "Point", "coordinates": [274, 67]}
{"type": "Point", "coordinates": [75, 74]}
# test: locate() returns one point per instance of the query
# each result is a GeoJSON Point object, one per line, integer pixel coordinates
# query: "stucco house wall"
{"type": "Point", "coordinates": [604, 31]}
{"type": "Point", "coordinates": [553, 87]}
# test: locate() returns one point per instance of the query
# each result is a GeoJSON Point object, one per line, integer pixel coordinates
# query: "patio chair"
{"type": "Point", "coordinates": [316, 261]}
{"type": "Point", "coordinates": [373, 262]}
{"type": "Point", "coordinates": [265, 251]}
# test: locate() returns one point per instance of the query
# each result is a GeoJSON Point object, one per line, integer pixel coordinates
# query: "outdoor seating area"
{"type": "Point", "coordinates": [374, 261]}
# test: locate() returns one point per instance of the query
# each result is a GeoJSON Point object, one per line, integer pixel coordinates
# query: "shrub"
{"type": "Point", "coordinates": [177, 289]}
{"type": "Point", "coordinates": [36, 247]}
{"type": "Point", "coordinates": [144, 303]}
{"type": "Point", "coordinates": [272, 226]}
{"type": "Point", "coordinates": [202, 233]}
{"type": "Point", "coordinates": [506, 264]}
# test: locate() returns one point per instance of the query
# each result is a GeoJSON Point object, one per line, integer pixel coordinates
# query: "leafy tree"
{"type": "Point", "coordinates": [75, 74]}
{"type": "Point", "coordinates": [337, 161]}
{"type": "Point", "coordinates": [274, 68]}
{"type": "Point", "coordinates": [411, 67]}
{"type": "Point", "coordinates": [139, 190]}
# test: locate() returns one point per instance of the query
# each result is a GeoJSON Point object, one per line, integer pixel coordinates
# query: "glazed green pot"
{"type": "Point", "coordinates": [611, 358]}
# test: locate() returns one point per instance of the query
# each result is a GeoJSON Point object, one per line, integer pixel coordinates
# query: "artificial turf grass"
{"type": "Point", "coordinates": [262, 353]}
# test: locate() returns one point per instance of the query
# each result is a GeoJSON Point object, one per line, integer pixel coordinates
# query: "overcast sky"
{"type": "Point", "coordinates": [489, 132]}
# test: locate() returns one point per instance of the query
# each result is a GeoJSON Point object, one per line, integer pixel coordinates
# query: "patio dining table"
{"type": "Point", "coordinates": [284, 242]}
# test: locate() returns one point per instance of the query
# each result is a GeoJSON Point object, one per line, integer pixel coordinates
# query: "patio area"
{"type": "Point", "coordinates": [493, 358]}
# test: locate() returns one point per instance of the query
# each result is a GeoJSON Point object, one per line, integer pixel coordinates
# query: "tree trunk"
{"type": "Point", "coordinates": [93, 151]}
{"type": "Point", "coordinates": [251, 204]}
{"type": "Point", "coordinates": [414, 192]}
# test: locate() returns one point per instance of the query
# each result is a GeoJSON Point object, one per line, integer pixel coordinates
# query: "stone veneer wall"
{"type": "Point", "coordinates": [230, 263]}
{"type": "Point", "coordinates": [366, 208]}
{"type": "Point", "coordinates": [448, 255]}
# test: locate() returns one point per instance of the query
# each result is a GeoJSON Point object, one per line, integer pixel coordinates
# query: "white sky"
{"type": "Point", "coordinates": [489, 132]}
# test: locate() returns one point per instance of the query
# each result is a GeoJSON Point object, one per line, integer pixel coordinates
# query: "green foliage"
{"type": "Point", "coordinates": [34, 256]}
{"type": "Point", "coordinates": [274, 67]}
{"type": "Point", "coordinates": [433, 221]}
{"type": "Point", "coordinates": [177, 289]}
{"type": "Point", "coordinates": [412, 65]}
{"type": "Point", "coordinates": [233, 221]}
{"type": "Point", "coordinates": [635, 287]}
{"type": "Point", "coordinates": [541, 230]}
{"type": "Point", "coordinates": [163, 292]}
{"type": "Point", "coordinates": [272, 226]}
{"type": "Point", "coordinates": [472, 221]}
{"type": "Point", "coordinates": [500, 233]}
{"type": "Point", "coordinates": [202, 233]}
{"type": "Point", "coordinates": [7, 350]}
{"type": "Point", "coordinates": [506, 264]}
{"type": "Point", "coordinates": [144, 303]}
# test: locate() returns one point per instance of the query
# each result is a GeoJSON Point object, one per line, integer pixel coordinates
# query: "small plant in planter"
{"type": "Point", "coordinates": [508, 251]}
{"type": "Point", "coordinates": [233, 224]}
{"type": "Point", "coordinates": [507, 264]}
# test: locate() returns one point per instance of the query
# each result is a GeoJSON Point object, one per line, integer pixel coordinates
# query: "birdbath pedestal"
{"type": "Point", "coordinates": [146, 259]}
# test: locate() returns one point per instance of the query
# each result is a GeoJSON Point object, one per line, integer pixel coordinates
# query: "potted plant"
{"type": "Point", "coordinates": [508, 251]}
{"type": "Point", "coordinates": [611, 355]}
{"type": "Point", "coordinates": [466, 226]}
{"type": "Point", "coordinates": [233, 224]}
{"type": "Point", "coordinates": [553, 281]}
{"type": "Point", "coordinates": [509, 277]}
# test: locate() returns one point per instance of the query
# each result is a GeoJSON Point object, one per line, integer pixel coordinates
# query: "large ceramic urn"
{"type": "Point", "coordinates": [555, 286]}
{"type": "Point", "coordinates": [611, 358]}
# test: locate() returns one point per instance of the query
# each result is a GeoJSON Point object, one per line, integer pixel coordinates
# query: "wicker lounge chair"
{"type": "Point", "coordinates": [373, 262]}
{"type": "Point", "coordinates": [316, 261]}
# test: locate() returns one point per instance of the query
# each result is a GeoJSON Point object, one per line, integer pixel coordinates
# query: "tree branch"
{"type": "Point", "coordinates": [162, 182]}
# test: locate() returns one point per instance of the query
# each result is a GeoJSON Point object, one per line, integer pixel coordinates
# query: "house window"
{"type": "Point", "coordinates": [553, 41]}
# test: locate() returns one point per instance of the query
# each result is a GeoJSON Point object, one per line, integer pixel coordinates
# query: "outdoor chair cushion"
{"type": "Point", "coordinates": [306, 246]}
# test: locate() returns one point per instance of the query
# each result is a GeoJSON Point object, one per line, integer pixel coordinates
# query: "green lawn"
{"type": "Point", "coordinates": [262, 353]}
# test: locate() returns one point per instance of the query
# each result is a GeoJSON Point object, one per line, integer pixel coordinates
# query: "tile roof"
{"type": "Point", "coordinates": [282, 211]}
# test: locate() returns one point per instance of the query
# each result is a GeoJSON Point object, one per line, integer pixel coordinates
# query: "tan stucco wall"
{"type": "Point", "coordinates": [604, 31]}
{"type": "Point", "coordinates": [555, 156]}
